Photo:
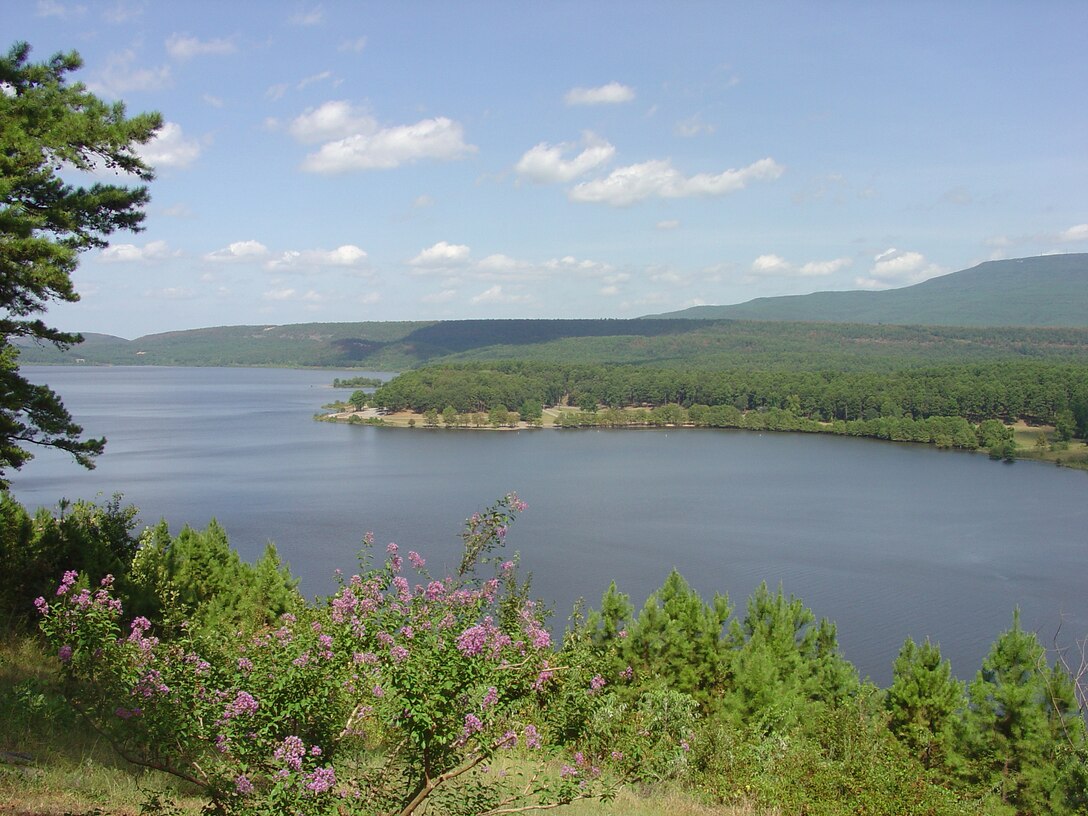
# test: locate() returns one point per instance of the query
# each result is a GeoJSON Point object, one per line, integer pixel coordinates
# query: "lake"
{"type": "Point", "coordinates": [887, 540]}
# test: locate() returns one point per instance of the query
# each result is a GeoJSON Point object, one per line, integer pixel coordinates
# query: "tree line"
{"type": "Point", "coordinates": [1037, 392]}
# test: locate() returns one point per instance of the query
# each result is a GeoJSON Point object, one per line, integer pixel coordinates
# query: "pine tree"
{"type": "Point", "coordinates": [922, 703]}
{"type": "Point", "coordinates": [1022, 730]}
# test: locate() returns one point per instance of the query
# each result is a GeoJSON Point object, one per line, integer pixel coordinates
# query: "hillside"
{"type": "Point", "coordinates": [1050, 290]}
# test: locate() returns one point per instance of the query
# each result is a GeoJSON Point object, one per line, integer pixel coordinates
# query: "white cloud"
{"type": "Point", "coordinates": [368, 298]}
{"type": "Point", "coordinates": [545, 163]}
{"type": "Point", "coordinates": [184, 47]}
{"type": "Point", "coordinates": [170, 148]}
{"type": "Point", "coordinates": [347, 256]}
{"type": "Point", "coordinates": [671, 224]}
{"type": "Point", "coordinates": [770, 265]}
{"type": "Point", "coordinates": [120, 76]}
{"type": "Point", "coordinates": [659, 179]}
{"type": "Point", "coordinates": [609, 94]}
{"type": "Point", "coordinates": [310, 80]}
{"type": "Point", "coordinates": [356, 45]}
{"type": "Point", "coordinates": [774, 265]}
{"type": "Point", "coordinates": [371, 149]}
{"type": "Point", "coordinates": [499, 263]}
{"type": "Point", "coordinates": [816, 268]}
{"type": "Point", "coordinates": [308, 17]}
{"type": "Point", "coordinates": [214, 101]}
{"type": "Point", "coordinates": [894, 268]}
{"type": "Point", "coordinates": [127, 253]}
{"type": "Point", "coordinates": [1077, 233]}
{"type": "Point", "coordinates": [333, 120]}
{"type": "Point", "coordinates": [239, 251]}
{"type": "Point", "coordinates": [496, 295]}
{"type": "Point", "coordinates": [441, 254]}
{"type": "Point", "coordinates": [422, 201]}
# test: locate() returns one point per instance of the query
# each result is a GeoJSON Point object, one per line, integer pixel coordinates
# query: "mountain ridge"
{"type": "Point", "coordinates": [1043, 290]}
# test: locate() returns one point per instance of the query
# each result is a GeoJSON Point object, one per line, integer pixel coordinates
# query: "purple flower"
{"type": "Point", "coordinates": [416, 560]}
{"type": "Point", "coordinates": [243, 785]}
{"type": "Point", "coordinates": [489, 699]}
{"type": "Point", "coordinates": [321, 780]}
{"type": "Point", "coordinates": [243, 703]}
{"type": "Point", "coordinates": [597, 683]}
{"type": "Point", "coordinates": [290, 752]}
{"type": "Point", "coordinates": [66, 582]}
{"type": "Point", "coordinates": [64, 653]}
{"type": "Point", "coordinates": [399, 654]}
{"type": "Point", "coordinates": [391, 548]}
{"type": "Point", "coordinates": [532, 736]}
{"type": "Point", "coordinates": [378, 691]}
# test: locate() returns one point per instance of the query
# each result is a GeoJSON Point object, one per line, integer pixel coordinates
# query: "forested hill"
{"type": "Point", "coordinates": [672, 343]}
{"type": "Point", "coordinates": [1050, 290]}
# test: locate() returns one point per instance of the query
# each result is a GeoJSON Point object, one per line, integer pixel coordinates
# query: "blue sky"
{"type": "Point", "coordinates": [342, 161]}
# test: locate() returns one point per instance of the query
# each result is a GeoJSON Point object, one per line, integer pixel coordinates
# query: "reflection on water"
{"type": "Point", "coordinates": [886, 540]}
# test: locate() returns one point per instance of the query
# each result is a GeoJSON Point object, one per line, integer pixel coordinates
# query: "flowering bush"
{"type": "Point", "coordinates": [401, 689]}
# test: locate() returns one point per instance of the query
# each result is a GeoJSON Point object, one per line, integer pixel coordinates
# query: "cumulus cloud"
{"type": "Point", "coordinates": [170, 148]}
{"type": "Point", "coordinates": [333, 120]}
{"type": "Point", "coordinates": [894, 268]}
{"type": "Point", "coordinates": [659, 179]}
{"type": "Point", "coordinates": [120, 75]}
{"type": "Point", "coordinates": [609, 94]}
{"type": "Point", "coordinates": [1077, 233]}
{"type": "Point", "coordinates": [774, 265]}
{"type": "Point", "coordinates": [184, 47]}
{"type": "Point", "coordinates": [442, 254]}
{"type": "Point", "coordinates": [239, 251]}
{"type": "Point", "coordinates": [496, 295]}
{"type": "Point", "coordinates": [130, 253]}
{"type": "Point", "coordinates": [346, 256]}
{"type": "Point", "coordinates": [369, 147]}
{"type": "Point", "coordinates": [545, 163]}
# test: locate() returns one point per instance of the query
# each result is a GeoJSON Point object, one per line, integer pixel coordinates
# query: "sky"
{"type": "Point", "coordinates": [348, 161]}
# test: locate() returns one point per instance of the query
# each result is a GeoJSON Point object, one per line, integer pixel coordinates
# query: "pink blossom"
{"type": "Point", "coordinates": [532, 736]}
{"type": "Point", "coordinates": [243, 785]}
{"type": "Point", "coordinates": [391, 548]}
{"type": "Point", "coordinates": [416, 560]}
{"type": "Point", "coordinates": [398, 653]}
{"type": "Point", "coordinates": [597, 683]}
{"type": "Point", "coordinates": [321, 779]}
{"type": "Point", "coordinates": [489, 699]}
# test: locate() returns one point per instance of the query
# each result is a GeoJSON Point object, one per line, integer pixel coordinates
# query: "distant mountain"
{"type": "Point", "coordinates": [1049, 290]}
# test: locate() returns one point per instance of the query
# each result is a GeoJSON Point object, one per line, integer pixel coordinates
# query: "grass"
{"type": "Point", "coordinates": [1029, 439]}
{"type": "Point", "coordinates": [51, 762]}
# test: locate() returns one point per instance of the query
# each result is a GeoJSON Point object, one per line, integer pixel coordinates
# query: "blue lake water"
{"type": "Point", "coordinates": [887, 540]}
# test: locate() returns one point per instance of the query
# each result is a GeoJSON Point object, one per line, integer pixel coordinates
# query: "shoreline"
{"type": "Point", "coordinates": [1075, 456]}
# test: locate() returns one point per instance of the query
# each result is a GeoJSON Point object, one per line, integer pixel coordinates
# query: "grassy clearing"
{"type": "Point", "coordinates": [1036, 442]}
{"type": "Point", "coordinates": [51, 762]}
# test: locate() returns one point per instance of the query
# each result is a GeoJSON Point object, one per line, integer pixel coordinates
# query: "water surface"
{"type": "Point", "coordinates": [888, 540]}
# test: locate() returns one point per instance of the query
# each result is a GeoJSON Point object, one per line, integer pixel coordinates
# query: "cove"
{"type": "Point", "coordinates": [887, 540]}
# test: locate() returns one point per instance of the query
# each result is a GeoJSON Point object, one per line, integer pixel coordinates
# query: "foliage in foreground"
{"type": "Point", "coordinates": [386, 697]}
{"type": "Point", "coordinates": [403, 693]}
